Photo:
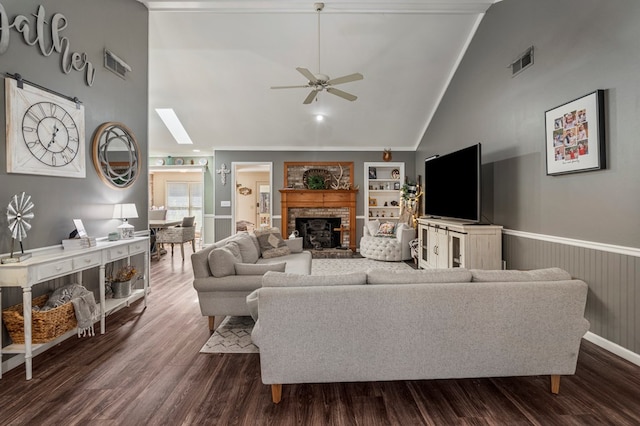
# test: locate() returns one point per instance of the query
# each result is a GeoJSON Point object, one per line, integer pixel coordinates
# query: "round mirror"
{"type": "Point", "coordinates": [116, 155]}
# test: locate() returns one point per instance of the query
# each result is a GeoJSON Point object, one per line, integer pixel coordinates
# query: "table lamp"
{"type": "Point", "coordinates": [125, 211]}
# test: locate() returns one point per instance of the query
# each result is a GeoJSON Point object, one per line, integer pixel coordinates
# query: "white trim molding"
{"type": "Point", "coordinates": [614, 348]}
{"type": "Point", "coordinates": [610, 248]}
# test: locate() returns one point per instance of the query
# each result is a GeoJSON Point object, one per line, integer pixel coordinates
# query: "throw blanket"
{"type": "Point", "coordinates": [84, 305]}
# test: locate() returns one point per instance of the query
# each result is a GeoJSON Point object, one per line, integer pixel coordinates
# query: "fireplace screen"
{"type": "Point", "coordinates": [319, 232]}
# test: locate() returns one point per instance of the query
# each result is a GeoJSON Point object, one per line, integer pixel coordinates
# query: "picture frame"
{"type": "Point", "coordinates": [373, 173]}
{"type": "Point", "coordinates": [396, 186]}
{"type": "Point", "coordinates": [373, 202]}
{"type": "Point", "coordinates": [575, 135]}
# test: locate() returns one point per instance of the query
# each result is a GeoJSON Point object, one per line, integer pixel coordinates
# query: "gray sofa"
{"type": "Point", "coordinates": [223, 277]}
{"type": "Point", "coordinates": [434, 324]}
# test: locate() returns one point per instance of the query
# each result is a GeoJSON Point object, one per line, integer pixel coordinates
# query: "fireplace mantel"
{"type": "Point", "coordinates": [320, 198]}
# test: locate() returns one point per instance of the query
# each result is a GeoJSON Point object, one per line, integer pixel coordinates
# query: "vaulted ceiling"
{"type": "Point", "coordinates": [214, 62]}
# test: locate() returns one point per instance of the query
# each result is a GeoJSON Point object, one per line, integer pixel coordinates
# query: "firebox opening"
{"type": "Point", "coordinates": [319, 232]}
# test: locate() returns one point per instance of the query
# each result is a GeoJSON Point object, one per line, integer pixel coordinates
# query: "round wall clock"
{"type": "Point", "coordinates": [45, 132]}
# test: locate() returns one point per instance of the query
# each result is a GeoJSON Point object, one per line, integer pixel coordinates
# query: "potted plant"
{"type": "Point", "coordinates": [121, 281]}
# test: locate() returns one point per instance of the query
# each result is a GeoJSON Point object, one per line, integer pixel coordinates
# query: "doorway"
{"type": "Point", "coordinates": [251, 206]}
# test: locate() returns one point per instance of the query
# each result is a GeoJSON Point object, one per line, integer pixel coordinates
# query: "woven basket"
{"type": "Point", "coordinates": [45, 325]}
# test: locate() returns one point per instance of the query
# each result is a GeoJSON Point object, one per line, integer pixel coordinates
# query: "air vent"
{"type": "Point", "coordinates": [524, 61]}
{"type": "Point", "coordinates": [116, 65]}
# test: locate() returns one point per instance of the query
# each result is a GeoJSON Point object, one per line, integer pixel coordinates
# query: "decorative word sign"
{"type": "Point", "coordinates": [34, 32]}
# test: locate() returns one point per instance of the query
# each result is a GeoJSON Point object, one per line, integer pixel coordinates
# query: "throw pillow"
{"type": "Point", "coordinates": [422, 276]}
{"type": "Point", "coordinates": [248, 250]}
{"type": "Point", "coordinates": [548, 274]}
{"type": "Point", "coordinates": [386, 229]}
{"type": "Point", "coordinates": [284, 279]}
{"type": "Point", "coordinates": [271, 243]}
{"type": "Point", "coordinates": [259, 269]}
{"type": "Point", "coordinates": [373, 226]}
{"type": "Point", "coordinates": [222, 260]}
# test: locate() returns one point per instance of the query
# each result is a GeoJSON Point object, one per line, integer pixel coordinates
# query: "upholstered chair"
{"type": "Point", "coordinates": [180, 234]}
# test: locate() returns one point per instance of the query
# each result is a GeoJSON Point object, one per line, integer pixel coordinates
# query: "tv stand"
{"type": "Point", "coordinates": [450, 243]}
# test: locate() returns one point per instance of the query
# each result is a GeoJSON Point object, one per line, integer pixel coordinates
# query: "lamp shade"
{"type": "Point", "coordinates": [125, 211]}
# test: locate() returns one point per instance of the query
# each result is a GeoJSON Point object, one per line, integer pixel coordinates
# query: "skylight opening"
{"type": "Point", "coordinates": [171, 120]}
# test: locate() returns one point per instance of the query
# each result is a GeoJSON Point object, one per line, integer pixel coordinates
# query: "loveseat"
{"type": "Point", "coordinates": [227, 271]}
{"type": "Point", "coordinates": [388, 241]}
{"type": "Point", "coordinates": [415, 325]}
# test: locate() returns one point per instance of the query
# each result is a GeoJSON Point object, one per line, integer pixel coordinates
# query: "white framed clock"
{"type": "Point", "coordinates": [45, 132]}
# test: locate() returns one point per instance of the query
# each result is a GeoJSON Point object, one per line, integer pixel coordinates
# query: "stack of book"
{"type": "Point", "coordinates": [79, 243]}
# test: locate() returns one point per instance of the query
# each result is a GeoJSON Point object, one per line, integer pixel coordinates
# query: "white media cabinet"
{"type": "Point", "coordinates": [54, 262]}
{"type": "Point", "coordinates": [457, 244]}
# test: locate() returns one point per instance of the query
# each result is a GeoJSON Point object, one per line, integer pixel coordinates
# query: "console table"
{"type": "Point", "coordinates": [54, 262]}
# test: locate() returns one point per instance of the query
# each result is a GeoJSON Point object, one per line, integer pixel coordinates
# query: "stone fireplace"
{"type": "Point", "coordinates": [327, 204]}
{"type": "Point", "coordinates": [319, 232]}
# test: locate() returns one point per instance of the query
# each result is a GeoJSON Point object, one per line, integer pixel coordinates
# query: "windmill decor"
{"type": "Point", "coordinates": [19, 213]}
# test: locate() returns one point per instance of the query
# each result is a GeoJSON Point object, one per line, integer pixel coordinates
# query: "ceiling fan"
{"type": "Point", "coordinates": [319, 82]}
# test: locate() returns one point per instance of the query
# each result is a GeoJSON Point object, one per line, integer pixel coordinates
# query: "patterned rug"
{"type": "Point", "coordinates": [232, 336]}
{"type": "Point", "coordinates": [234, 333]}
{"type": "Point", "coordinates": [343, 266]}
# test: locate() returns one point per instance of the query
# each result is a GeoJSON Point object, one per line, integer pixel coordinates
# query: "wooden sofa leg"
{"type": "Point", "coordinates": [212, 320]}
{"type": "Point", "coordinates": [276, 393]}
{"type": "Point", "coordinates": [555, 384]}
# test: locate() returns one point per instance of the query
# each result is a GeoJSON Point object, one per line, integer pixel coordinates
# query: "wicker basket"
{"type": "Point", "coordinates": [45, 325]}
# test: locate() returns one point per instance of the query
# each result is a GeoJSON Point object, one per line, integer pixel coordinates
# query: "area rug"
{"type": "Point", "coordinates": [232, 336]}
{"type": "Point", "coordinates": [343, 266]}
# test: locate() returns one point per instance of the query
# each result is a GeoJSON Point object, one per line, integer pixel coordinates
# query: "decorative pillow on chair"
{"type": "Point", "coordinates": [386, 229]}
{"type": "Point", "coordinates": [373, 226]}
{"type": "Point", "coordinates": [271, 243]}
{"type": "Point", "coordinates": [222, 260]}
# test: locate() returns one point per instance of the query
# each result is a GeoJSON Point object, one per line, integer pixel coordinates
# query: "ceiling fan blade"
{"type": "Point", "coordinates": [346, 79]}
{"type": "Point", "coordinates": [311, 96]}
{"type": "Point", "coordinates": [308, 74]}
{"type": "Point", "coordinates": [345, 95]}
{"type": "Point", "coordinates": [290, 87]}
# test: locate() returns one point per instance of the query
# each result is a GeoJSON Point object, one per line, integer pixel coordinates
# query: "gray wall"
{"type": "Point", "coordinates": [223, 227]}
{"type": "Point", "coordinates": [121, 26]}
{"type": "Point", "coordinates": [580, 46]}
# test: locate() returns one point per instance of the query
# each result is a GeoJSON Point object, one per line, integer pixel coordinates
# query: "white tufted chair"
{"type": "Point", "coordinates": [390, 249]}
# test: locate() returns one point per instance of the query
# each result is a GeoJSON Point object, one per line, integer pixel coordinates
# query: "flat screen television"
{"type": "Point", "coordinates": [452, 185]}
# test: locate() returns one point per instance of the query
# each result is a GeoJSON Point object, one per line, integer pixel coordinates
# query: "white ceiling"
{"type": "Point", "coordinates": [213, 62]}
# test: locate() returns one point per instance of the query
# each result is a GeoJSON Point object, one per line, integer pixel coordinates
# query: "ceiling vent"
{"type": "Point", "coordinates": [524, 61]}
{"type": "Point", "coordinates": [116, 65]}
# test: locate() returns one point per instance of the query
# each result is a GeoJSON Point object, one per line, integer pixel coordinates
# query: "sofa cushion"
{"type": "Point", "coordinates": [548, 274]}
{"type": "Point", "coordinates": [223, 259]}
{"type": "Point", "coordinates": [373, 226]}
{"type": "Point", "coordinates": [284, 279]}
{"type": "Point", "coordinates": [421, 276]}
{"type": "Point", "coordinates": [248, 250]}
{"type": "Point", "coordinates": [386, 229]}
{"type": "Point", "coordinates": [271, 243]}
{"type": "Point", "coordinates": [259, 269]}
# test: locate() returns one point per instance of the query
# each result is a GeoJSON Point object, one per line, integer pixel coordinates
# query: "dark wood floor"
{"type": "Point", "coordinates": [147, 370]}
